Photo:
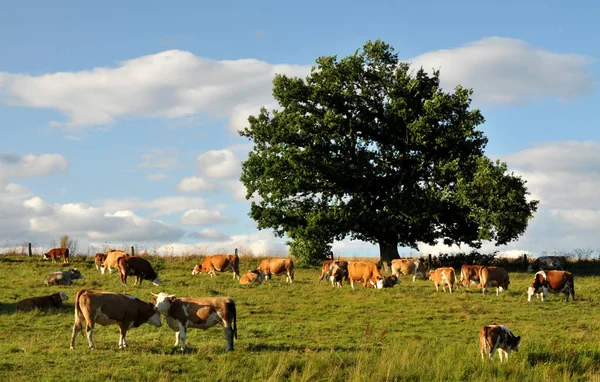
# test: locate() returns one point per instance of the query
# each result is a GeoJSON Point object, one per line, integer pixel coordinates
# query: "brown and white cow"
{"type": "Point", "coordinates": [99, 259]}
{"type": "Point", "coordinates": [442, 277]}
{"type": "Point", "coordinates": [138, 267]}
{"type": "Point", "coordinates": [274, 266]}
{"type": "Point", "coordinates": [497, 337]}
{"type": "Point", "coordinates": [251, 277]}
{"type": "Point", "coordinates": [219, 263]}
{"type": "Point", "coordinates": [554, 282]}
{"type": "Point", "coordinates": [546, 263]}
{"type": "Point", "coordinates": [490, 276]}
{"type": "Point", "coordinates": [366, 272]}
{"type": "Point", "coordinates": [57, 253]}
{"type": "Point", "coordinates": [106, 308]}
{"type": "Point", "coordinates": [469, 274]}
{"type": "Point", "coordinates": [328, 265]}
{"type": "Point", "coordinates": [408, 267]}
{"type": "Point", "coordinates": [42, 302]}
{"type": "Point", "coordinates": [112, 260]}
{"type": "Point", "coordinates": [63, 277]}
{"type": "Point", "coordinates": [200, 313]}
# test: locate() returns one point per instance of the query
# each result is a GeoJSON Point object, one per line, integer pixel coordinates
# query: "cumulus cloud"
{"type": "Point", "coordinates": [510, 71]}
{"type": "Point", "coordinates": [15, 166]}
{"type": "Point", "coordinates": [195, 184]}
{"type": "Point", "coordinates": [219, 164]}
{"type": "Point", "coordinates": [204, 217]}
{"type": "Point", "coordinates": [158, 207]}
{"type": "Point", "coordinates": [209, 235]}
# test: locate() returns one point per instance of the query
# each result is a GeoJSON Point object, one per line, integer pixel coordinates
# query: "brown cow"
{"type": "Point", "coordinates": [107, 308]}
{"type": "Point", "coordinates": [469, 274]}
{"type": "Point", "coordinates": [409, 266]}
{"type": "Point", "coordinates": [251, 277]}
{"type": "Point", "coordinates": [43, 302]}
{"type": "Point", "coordinates": [442, 277]}
{"type": "Point", "coordinates": [552, 281]}
{"type": "Point", "coordinates": [219, 263]}
{"type": "Point", "coordinates": [112, 260]}
{"type": "Point", "coordinates": [366, 272]}
{"type": "Point", "coordinates": [57, 253]}
{"type": "Point", "coordinates": [99, 259]}
{"type": "Point", "coordinates": [490, 276]}
{"type": "Point", "coordinates": [497, 337]}
{"type": "Point", "coordinates": [277, 267]}
{"type": "Point", "coordinates": [201, 313]}
{"type": "Point", "coordinates": [328, 266]}
{"type": "Point", "coordinates": [138, 267]}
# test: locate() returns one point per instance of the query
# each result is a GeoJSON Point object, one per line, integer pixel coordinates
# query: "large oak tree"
{"type": "Point", "coordinates": [366, 146]}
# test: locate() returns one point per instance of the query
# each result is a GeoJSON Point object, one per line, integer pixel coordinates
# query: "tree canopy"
{"type": "Point", "coordinates": [366, 146]}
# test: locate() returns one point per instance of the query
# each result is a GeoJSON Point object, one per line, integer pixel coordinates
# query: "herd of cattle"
{"type": "Point", "coordinates": [126, 311]}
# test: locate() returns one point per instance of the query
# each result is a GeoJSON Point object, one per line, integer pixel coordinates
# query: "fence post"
{"type": "Point", "coordinates": [29, 253]}
{"type": "Point", "coordinates": [430, 261]}
{"type": "Point", "coordinates": [525, 262]}
{"type": "Point", "coordinates": [132, 251]}
{"type": "Point", "coordinates": [236, 251]}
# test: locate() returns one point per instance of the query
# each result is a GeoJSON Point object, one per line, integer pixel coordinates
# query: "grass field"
{"type": "Point", "coordinates": [304, 331]}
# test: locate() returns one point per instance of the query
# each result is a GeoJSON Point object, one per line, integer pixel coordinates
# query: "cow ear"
{"type": "Point", "coordinates": [153, 298]}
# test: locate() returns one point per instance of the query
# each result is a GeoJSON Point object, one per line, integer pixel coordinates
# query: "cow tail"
{"type": "Point", "coordinates": [487, 341]}
{"type": "Point", "coordinates": [67, 253]}
{"type": "Point", "coordinates": [231, 308]}
{"type": "Point", "coordinates": [78, 313]}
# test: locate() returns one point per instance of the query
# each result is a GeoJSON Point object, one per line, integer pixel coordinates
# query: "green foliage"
{"type": "Point", "coordinates": [64, 241]}
{"type": "Point", "coordinates": [67, 242]}
{"type": "Point", "coordinates": [369, 147]}
{"type": "Point", "coordinates": [310, 250]}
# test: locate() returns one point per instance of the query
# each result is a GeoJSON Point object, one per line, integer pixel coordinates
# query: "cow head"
{"type": "Point", "coordinates": [156, 281]}
{"type": "Point", "coordinates": [63, 296]}
{"type": "Point", "coordinates": [163, 301]}
{"type": "Point", "coordinates": [514, 343]}
{"type": "Point", "coordinates": [377, 281]}
{"type": "Point", "coordinates": [390, 281]}
{"type": "Point", "coordinates": [197, 270]}
{"type": "Point", "coordinates": [538, 285]}
{"type": "Point", "coordinates": [75, 274]}
{"type": "Point", "coordinates": [46, 257]}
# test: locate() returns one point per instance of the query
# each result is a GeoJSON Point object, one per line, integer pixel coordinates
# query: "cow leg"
{"type": "Point", "coordinates": [493, 351]}
{"type": "Point", "coordinates": [89, 329]}
{"type": "Point", "coordinates": [123, 335]}
{"type": "Point", "coordinates": [124, 278]}
{"type": "Point", "coordinates": [352, 283]}
{"type": "Point", "coordinates": [76, 330]}
{"type": "Point", "coordinates": [450, 287]}
{"type": "Point", "coordinates": [109, 270]}
{"type": "Point", "coordinates": [228, 337]}
{"type": "Point", "coordinates": [182, 336]}
{"type": "Point", "coordinates": [177, 337]}
{"type": "Point", "coordinates": [498, 291]}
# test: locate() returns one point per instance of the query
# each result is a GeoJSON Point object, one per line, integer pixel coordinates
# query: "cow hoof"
{"type": "Point", "coordinates": [71, 347]}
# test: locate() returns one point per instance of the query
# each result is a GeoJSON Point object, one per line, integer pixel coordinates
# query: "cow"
{"type": "Point", "coordinates": [54, 300]}
{"type": "Point", "coordinates": [497, 337]}
{"type": "Point", "coordinates": [63, 277]}
{"type": "Point", "coordinates": [552, 281]}
{"type": "Point", "coordinates": [338, 273]}
{"type": "Point", "coordinates": [99, 259]}
{"type": "Point", "coordinates": [112, 260]}
{"type": "Point", "coordinates": [366, 272]}
{"type": "Point", "coordinates": [251, 277]}
{"type": "Point", "coordinates": [490, 276]}
{"type": "Point", "coordinates": [200, 313]}
{"type": "Point", "coordinates": [219, 263]}
{"type": "Point", "coordinates": [327, 267]}
{"type": "Point", "coordinates": [106, 308]}
{"type": "Point", "coordinates": [138, 267]}
{"type": "Point", "coordinates": [57, 253]}
{"type": "Point", "coordinates": [409, 266]}
{"type": "Point", "coordinates": [390, 281]}
{"type": "Point", "coordinates": [442, 277]}
{"type": "Point", "coordinates": [469, 274]}
{"type": "Point", "coordinates": [277, 267]}
{"type": "Point", "coordinates": [546, 263]}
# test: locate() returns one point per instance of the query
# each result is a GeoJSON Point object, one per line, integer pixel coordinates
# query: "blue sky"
{"type": "Point", "coordinates": [118, 122]}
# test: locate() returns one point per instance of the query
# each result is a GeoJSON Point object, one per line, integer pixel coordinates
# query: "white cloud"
{"type": "Point", "coordinates": [204, 217]}
{"type": "Point", "coordinates": [219, 164]}
{"type": "Point", "coordinates": [195, 184]}
{"type": "Point", "coordinates": [210, 235]}
{"type": "Point", "coordinates": [159, 207]}
{"type": "Point", "coordinates": [15, 166]}
{"type": "Point", "coordinates": [510, 71]}
{"type": "Point", "coordinates": [238, 191]}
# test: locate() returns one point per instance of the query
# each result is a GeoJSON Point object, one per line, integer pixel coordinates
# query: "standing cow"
{"type": "Point", "coordinates": [57, 253]}
{"type": "Point", "coordinates": [554, 282]}
{"type": "Point", "coordinates": [112, 260]}
{"type": "Point", "coordinates": [277, 267]}
{"type": "Point", "coordinates": [219, 263]}
{"type": "Point", "coordinates": [497, 337]}
{"type": "Point", "coordinates": [491, 276]}
{"type": "Point", "coordinates": [366, 272]}
{"type": "Point", "coordinates": [63, 277]}
{"type": "Point", "coordinates": [469, 274]}
{"type": "Point", "coordinates": [442, 277]}
{"type": "Point", "coordinates": [138, 267]}
{"type": "Point", "coordinates": [409, 266]}
{"type": "Point", "coordinates": [99, 259]}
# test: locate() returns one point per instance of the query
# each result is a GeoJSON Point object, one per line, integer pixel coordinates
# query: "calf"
{"type": "Point", "coordinates": [43, 302]}
{"type": "Point", "coordinates": [554, 282]}
{"type": "Point", "coordinates": [251, 277]}
{"type": "Point", "coordinates": [409, 266]}
{"type": "Point", "coordinates": [63, 277]}
{"type": "Point", "coordinates": [366, 272]}
{"type": "Point", "coordinates": [493, 277]}
{"type": "Point", "coordinates": [469, 274]}
{"type": "Point", "coordinates": [107, 308]}
{"type": "Point", "coordinates": [390, 281]}
{"type": "Point", "coordinates": [277, 267]}
{"type": "Point", "coordinates": [497, 337]}
{"type": "Point", "coordinates": [99, 259]}
{"type": "Point", "coordinates": [112, 260]}
{"type": "Point", "coordinates": [219, 263]}
{"type": "Point", "coordinates": [138, 267]}
{"type": "Point", "coordinates": [327, 268]}
{"type": "Point", "coordinates": [442, 277]}
{"type": "Point", "coordinates": [338, 273]}
{"type": "Point", "coordinates": [201, 313]}
{"type": "Point", "coordinates": [57, 253]}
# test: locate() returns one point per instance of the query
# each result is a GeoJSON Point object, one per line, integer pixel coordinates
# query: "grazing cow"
{"type": "Point", "coordinates": [338, 273]}
{"type": "Point", "coordinates": [112, 260]}
{"type": "Point", "coordinates": [469, 274]}
{"type": "Point", "coordinates": [219, 263]}
{"type": "Point", "coordinates": [390, 281]}
{"type": "Point", "coordinates": [138, 267]}
{"type": "Point", "coordinates": [251, 277]}
{"type": "Point", "coordinates": [442, 277]}
{"type": "Point", "coordinates": [57, 253]}
{"type": "Point", "coordinates": [546, 263]}
{"type": "Point", "coordinates": [327, 268]}
{"type": "Point", "coordinates": [99, 259]}
{"type": "Point", "coordinates": [277, 267]}
{"type": "Point", "coordinates": [493, 277]}
{"type": "Point", "coordinates": [497, 337]}
{"type": "Point", "coordinates": [409, 266]}
{"type": "Point", "coordinates": [106, 308]}
{"type": "Point", "coordinates": [366, 272]}
{"type": "Point", "coordinates": [63, 277]}
{"type": "Point", "coordinates": [43, 302]}
{"type": "Point", "coordinates": [201, 313]}
{"type": "Point", "coordinates": [552, 281]}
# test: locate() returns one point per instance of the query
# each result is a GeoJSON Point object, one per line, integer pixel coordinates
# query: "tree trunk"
{"type": "Point", "coordinates": [388, 251]}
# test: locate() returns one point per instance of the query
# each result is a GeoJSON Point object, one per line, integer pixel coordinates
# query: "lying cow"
{"type": "Point", "coordinates": [408, 267]}
{"type": "Point", "coordinates": [200, 313]}
{"type": "Point", "coordinates": [219, 263]}
{"type": "Point", "coordinates": [390, 281]}
{"type": "Point", "coordinates": [63, 277]}
{"type": "Point", "coordinates": [497, 337]}
{"type": "Point", "coordinates": [112, 260]}
{"type": "Point", "coordinates": [251, 277]}
{"type": "Point", "coordinates": [43, 302]}
{"type": "Point", "coordinates": [442, 277]}
{"type": "Point", "coordinates": [107, 308]}
{"type": "Point", "coordinates": [552, 281]}
{"type": "Point", "coordinates": [277, 267]}
{"type": "Point", "coordinates": [469, 274]}
{"type": "Point", "coordinates": [99, 259]}
{"type": "Point", "coordinates": [490, 276]}
{"type": "Point", "coordinates": [546, 263]}
{"type": "Point", "coordinates": [366, 272]}
{"type": "Point", "coordinates": [57, 253]}
{"type": "Point", "coordinates": [138, 267]}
